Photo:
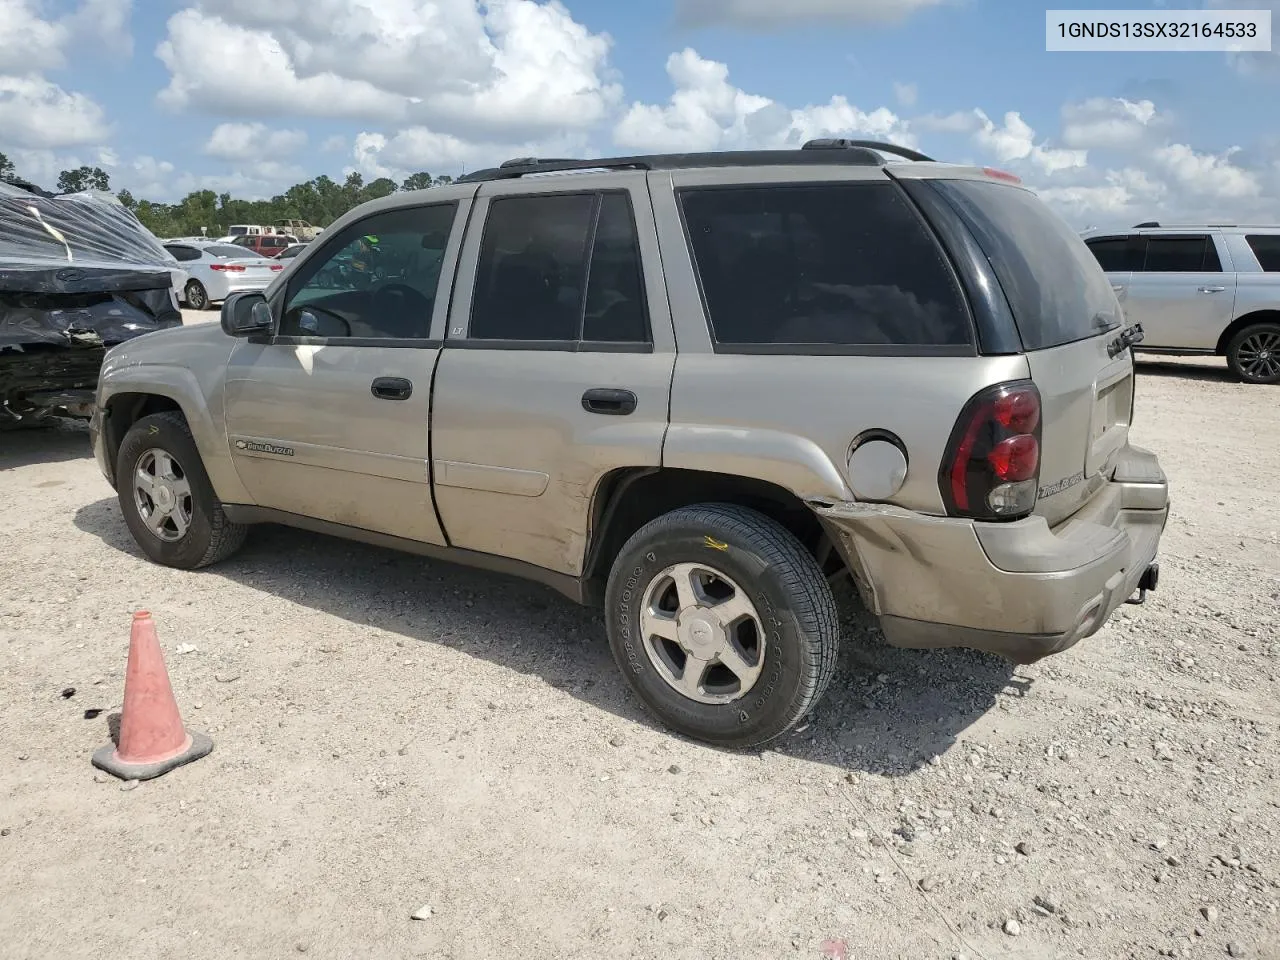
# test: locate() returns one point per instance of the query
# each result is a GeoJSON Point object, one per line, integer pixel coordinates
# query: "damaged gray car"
{"type": "Point", "coordinates": [78, 274]}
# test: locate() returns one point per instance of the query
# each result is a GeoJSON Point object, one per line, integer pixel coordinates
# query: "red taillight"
{"type": "Point", "coordinates": [229, 267]}
{"type": "Point", "coordinates": [1018, 411]}
{"type": "Point", "coordinates": [992, 466]}
{"type": "Point", "coordinates": [276, 266]}
{"type": "Point", "coordinates": [1016, 458]}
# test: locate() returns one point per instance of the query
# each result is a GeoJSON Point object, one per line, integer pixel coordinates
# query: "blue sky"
{"type": "Point", "coordinates": [253, 95]}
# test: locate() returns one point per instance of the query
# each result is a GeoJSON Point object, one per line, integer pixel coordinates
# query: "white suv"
{"type": "Point", "coordinates": [1207, 289]}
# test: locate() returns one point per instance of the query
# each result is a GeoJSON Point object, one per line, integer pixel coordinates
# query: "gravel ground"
{"type": "Point", "coordinates": [396, 737]}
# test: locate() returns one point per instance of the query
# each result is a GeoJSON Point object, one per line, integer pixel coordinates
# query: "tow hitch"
{"type": "Point", "coordinates": [1150, 580]}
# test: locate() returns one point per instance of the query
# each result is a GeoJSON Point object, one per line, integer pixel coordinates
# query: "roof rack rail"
{"type": "Point", "coordinates": [527, 161]}
{"type": "Point", "coordinates": [1145, 224]}
{"type": "Point", "coordinates": [841, 144]}
{"type": "Point", "coordinates": [856, 153]}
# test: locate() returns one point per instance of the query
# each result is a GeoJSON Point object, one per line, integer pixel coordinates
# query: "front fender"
{"type": "Point", "coordinates": [200, 403]}
{"type": "Point", "coordinates": [782, 459]}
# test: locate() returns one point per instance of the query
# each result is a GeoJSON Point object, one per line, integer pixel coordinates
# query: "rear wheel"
{"type": "Point", "coordinates": [722, 624]}
{"type": "Point", "coordinates": [1254, 353]}
{"type": "Point", "coordinates": [196, 295]}
{"type": "Point", "coordinates": [166, 497]}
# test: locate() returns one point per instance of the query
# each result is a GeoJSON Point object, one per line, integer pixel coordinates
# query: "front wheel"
{"type": "Point", "coordinates": [1254, 353]}
{"type": "Point", "coordinates": [722, 623]}
{"type": "Point", "coordinates": [166, 497]}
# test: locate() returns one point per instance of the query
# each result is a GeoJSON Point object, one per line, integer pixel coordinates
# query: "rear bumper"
{"type": "Point", "coordinates": [1020, 590]}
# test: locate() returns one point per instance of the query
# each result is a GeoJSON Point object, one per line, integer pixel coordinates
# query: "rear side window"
{"type": "Point", "coordinates": [1266, 247]}
{"type": "Point", "coordinates": [844, 265]}
{"type": "Point", "coordinates": [183, 254]}
{"type": "Point", "coordinates": [1181, 255]}
{"type": "Point", "coordinates": [560, 269]}
{"type": "Point", "coordinates": [1117, 254]}
{"type": "Point", "coordinates": [1057, 291]}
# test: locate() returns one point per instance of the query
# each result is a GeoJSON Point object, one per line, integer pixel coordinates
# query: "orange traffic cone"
{"type": "Point", "coordinates": [152, 738]}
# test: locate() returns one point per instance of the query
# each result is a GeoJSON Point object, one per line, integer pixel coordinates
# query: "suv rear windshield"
{"type": "Point", "coordinates": [1054, 285]}
{"type": "Point", "coordinates": [828, 267]}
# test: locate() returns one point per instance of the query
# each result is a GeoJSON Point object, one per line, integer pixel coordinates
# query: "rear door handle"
{"type": "Point", "coordinates": [392, 388]}
{"type": "Point", "coordinates": [609, 401]}
{"type": "Point", "coordinates": [1212, 289]}
{"type": "Point", "coordinates": [1117, 287]}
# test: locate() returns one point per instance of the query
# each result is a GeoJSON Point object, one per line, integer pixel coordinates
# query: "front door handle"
{"type": "Point", "coordinates": [609, 401]}
{"type": "Point", "coordinates": [1212, 289]}
{"type": "Point", "coordinates": [392, 388]}
{"type": "Point", "coordinates": [1117, 287]}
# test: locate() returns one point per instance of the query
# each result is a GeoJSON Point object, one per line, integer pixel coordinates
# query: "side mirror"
{"type": "Point", "coordinates": [246, 315]}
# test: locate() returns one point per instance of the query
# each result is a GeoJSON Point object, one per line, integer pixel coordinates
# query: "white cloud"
{"type": "Point", "coordinates": [35, 113]}
{"type": "Point", "coordinates": [101, 27]}
{"type": "Point", "coordinates": [962, 121]}
{"type": "Point", "coordinates": [244, 141]}
{"type": "Point", "coordinates": [906, 94]}
{"type": "Point", "coordinates": [209, 59]}
{"type": "Point", "coordinates": [766, 14]}
{"type": "Point", "coordinates": [1015, 140]}
{"type": "Point", "coordinates": [511, 67]}
{"type": "Point", "coordinates": [415, 149]}
{"type": "Point", "coordinates": [27, 42]}
{"type": "Point", "coordinates": [1124, 196]}
{"type": "Point", "coordinates": [1206, 174]}
{"type": "Point", "coordinates": [706, 112]}
{"type": "Point", "coordinates": [1109, 123]}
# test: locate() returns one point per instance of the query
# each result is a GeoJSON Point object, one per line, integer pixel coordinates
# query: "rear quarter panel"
{"type": "Point", "coordinates": [792, 419]}
{"type": "Point", "coordinates": [1255, 289]}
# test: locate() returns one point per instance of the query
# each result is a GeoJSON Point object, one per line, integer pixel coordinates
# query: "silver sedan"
{"type": "Point", "coordinates": [217, 270]}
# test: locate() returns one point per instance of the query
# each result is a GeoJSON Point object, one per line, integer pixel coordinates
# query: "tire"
{"type": "Point", "coordinates": [196, 296]}
{"type": "Point", "coordinates": [1254, 353]}
{"type": "Point", "coordinates": [791, 601]}
{"type": "Point", "coordinates": [202, 535]}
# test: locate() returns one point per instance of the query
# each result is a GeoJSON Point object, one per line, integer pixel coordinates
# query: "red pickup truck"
{"type": "Point", "coordinates": [269, 245]}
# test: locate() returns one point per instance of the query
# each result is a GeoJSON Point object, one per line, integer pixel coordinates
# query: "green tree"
{"type": "Point", "coordinates": [83, 178]}
{"type": "Point", "coordinates": [318, 201]}
{"type": "Point", "coordinates": [126, 199]}
{"type": "Point", "coordinates": [418, 181]}
{"type": "Point", "coordinates": [7, 169]}
{"type": "Point", "coordinates": [382, 187]}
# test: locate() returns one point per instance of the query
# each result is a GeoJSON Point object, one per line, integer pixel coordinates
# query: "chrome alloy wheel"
{"type": "Point", "coordinates": [1259, 356]}
{"type": "Point", "coordinates": [162, 494]}
{"type": "Point", "coordinates": [702, 633]}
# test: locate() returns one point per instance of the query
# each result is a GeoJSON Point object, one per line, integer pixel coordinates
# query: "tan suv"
{"type": "Point", "coordinates": [691, 388]}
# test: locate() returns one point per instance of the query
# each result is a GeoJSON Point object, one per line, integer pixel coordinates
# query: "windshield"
{"type": "Point", "coordinates": [228, 252]}
{"type": "Point", "coordinates": [237, 231]}
{"type": "Point", "coordinates": [1054, 285]}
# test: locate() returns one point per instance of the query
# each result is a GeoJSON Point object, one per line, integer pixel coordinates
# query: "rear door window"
{"type": "Point", "coordinates": [1055, 287]}
{"type": "Point", "coordinates": [831, 267]}
{"type": "Point", "coordinates": [1116, 254]}
{"type": "Point", "coordinates": [559, 270]}
{"type": "Point", "coordinates": [1181, 255]}
{"type": "Point", "coordinates": [1266, 247]}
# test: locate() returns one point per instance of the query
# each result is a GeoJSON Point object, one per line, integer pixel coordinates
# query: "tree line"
{"type": "Point", "coordinates": [319, 201]}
